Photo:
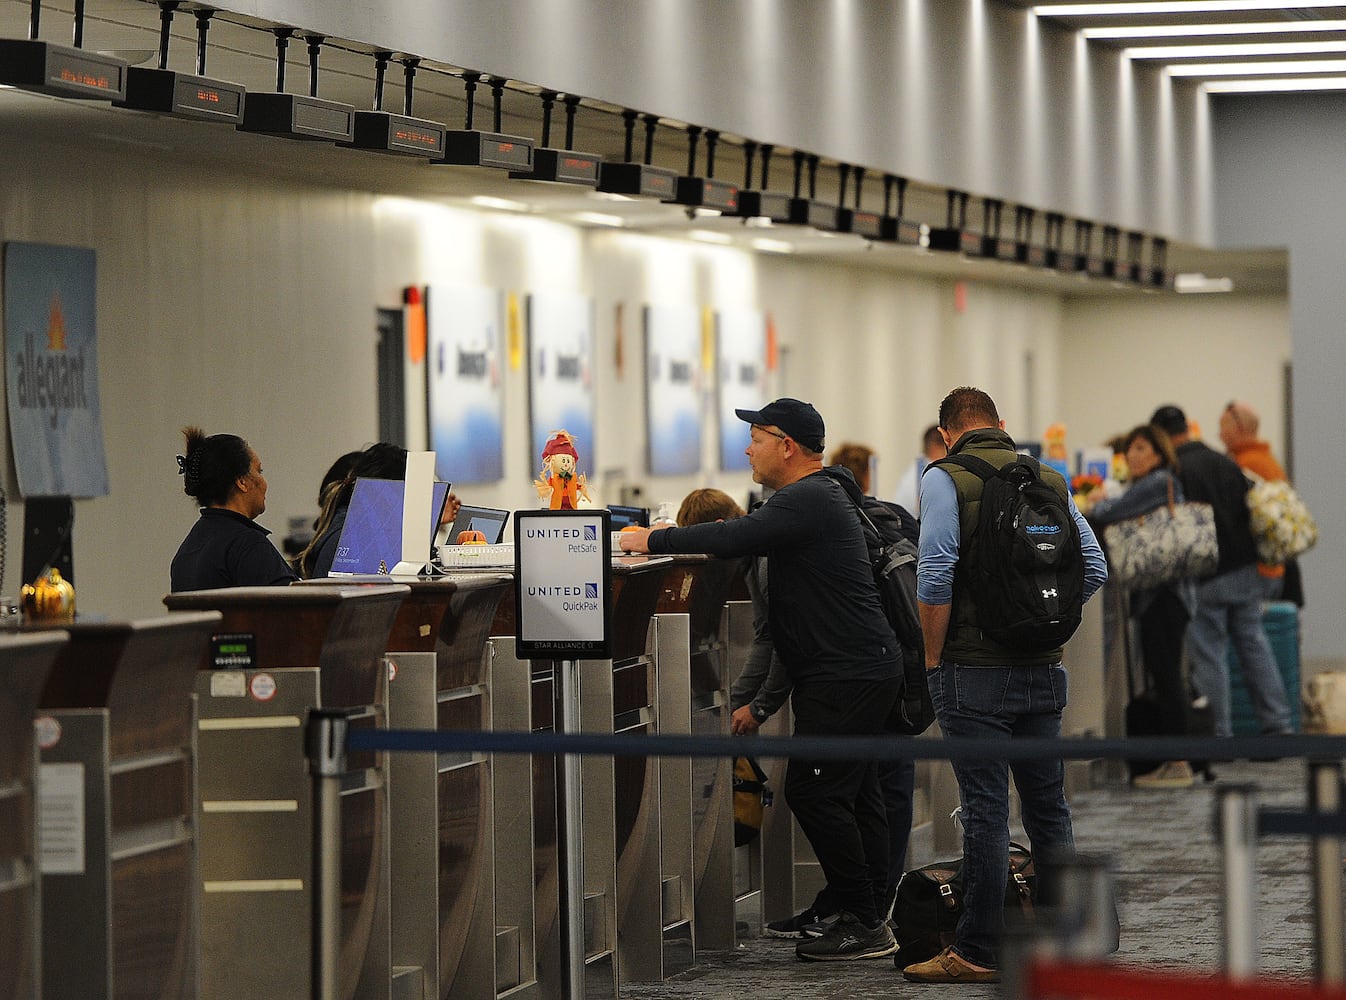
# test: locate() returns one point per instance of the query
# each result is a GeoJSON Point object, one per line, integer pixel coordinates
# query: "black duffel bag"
{"type": "Point", "coordinates": [930, 901]}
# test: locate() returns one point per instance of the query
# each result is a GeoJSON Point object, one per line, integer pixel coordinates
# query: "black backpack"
{"type": "Point", "coordinates": [888, 531]}
{"type": "Point", "coordinates": [1023, 564]}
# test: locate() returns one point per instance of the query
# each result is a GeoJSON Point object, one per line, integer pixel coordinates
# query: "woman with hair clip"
{"type": "Point", "coordinates": [1161, 613]}
{"type": "Point", "coordinates": [226, 547]}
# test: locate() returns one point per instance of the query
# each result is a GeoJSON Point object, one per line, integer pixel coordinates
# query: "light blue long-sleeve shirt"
{"type": "Point", "coordinates": [940, 538]}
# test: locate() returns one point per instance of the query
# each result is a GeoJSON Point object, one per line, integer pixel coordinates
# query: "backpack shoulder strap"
{"type": "Point", "coordinates": [852, 491]}
{"type": "Point", "coordinates": [977, 466]}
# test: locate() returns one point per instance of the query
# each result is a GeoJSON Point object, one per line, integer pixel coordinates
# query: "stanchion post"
{"type": "Point", "coordinates": [1325, 798]}
{"type": "Point", "coordinates": [1236, 826]}
{"type": "Point", "coordinates": [325, 747]}
{"type": "Point", "coordinates": [569, 685]}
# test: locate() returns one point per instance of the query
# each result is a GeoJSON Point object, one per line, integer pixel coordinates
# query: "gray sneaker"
{"type": "Point", "coordinates": [846, 940]}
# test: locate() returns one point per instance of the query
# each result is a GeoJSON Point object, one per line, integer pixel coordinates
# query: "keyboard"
{"type": "Point", "coordinates": [459, 556]}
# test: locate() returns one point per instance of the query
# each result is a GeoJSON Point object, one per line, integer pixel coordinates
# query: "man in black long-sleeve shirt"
{"type": "Point", "coordinates": [828, 626]}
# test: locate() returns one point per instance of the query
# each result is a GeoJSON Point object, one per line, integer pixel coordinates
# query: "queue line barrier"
{"type": "Point", "coordinates": [1238, 823]}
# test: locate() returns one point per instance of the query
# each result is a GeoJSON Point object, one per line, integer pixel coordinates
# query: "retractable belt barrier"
{"type": "Point", "coordinates": [851, 747]}
{"type": "Point", "coordinates": [1238, 823]}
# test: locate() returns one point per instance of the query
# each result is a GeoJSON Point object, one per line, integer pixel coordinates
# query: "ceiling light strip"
{"type": "Point", "coordinates": [1130, 9]}
{"type": "Point", "coordinates": [1151, 52]}
{"type": "Point", "coordinates": [1269, 68]}
{"type": "Point", "coordinates": [1202, 30]}
{"type": "Point", "coordinates": [1274, 86]}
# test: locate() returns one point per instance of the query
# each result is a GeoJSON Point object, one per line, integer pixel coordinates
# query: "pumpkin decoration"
{"type": "Point", "coordinates": [49, 597]}
{"type": "Point", "coordinates": [470, 537]}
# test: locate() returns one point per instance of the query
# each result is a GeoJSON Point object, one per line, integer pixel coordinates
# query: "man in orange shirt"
{"type": "Point", "coordinates": [1238, 430]}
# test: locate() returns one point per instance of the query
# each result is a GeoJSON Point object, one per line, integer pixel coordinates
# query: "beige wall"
{"type": "Point", "coordinates": [248, 305]}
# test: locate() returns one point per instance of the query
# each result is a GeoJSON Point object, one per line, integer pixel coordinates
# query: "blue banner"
{"type": "Point", "coordinates": [51, 367]}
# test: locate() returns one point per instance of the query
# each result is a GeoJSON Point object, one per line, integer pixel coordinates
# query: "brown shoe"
{"type": "Point", "coordinates": [946, 967]}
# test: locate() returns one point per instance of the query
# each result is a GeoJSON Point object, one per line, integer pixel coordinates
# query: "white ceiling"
{"type": "Point", "coordinates": [244, 52]}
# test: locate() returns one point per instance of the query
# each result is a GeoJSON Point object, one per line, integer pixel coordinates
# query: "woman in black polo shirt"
{"type": "Point", "coordinates": [226, 547]}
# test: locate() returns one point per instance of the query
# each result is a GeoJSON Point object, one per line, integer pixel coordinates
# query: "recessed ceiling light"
{"type": "Point", "coordinates": [706, 236]}
{"type": "Point", "coordinates": [598, 219]}
{"type": "Point", "coordinates": [503, 204]}
{"type": "Point", "coordinates": [772, 246]}
{"type": "Point", "coordinates": [1199, 284]}
{"type": "Point", "coordinates": [1225, 28]}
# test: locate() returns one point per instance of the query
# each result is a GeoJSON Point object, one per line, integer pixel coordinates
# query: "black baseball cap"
{"type": "Point", "coordinates": [796, 418]}
{"type": "Point", "coordinates": [1170, 419]}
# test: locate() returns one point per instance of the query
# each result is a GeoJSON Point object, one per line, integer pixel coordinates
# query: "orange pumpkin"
{"type": "Point", "coordinates": [50, 597]}
{"type": "Point", "coordinates": [470, 537]}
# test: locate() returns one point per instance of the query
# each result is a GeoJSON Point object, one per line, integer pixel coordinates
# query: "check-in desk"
{"type": "Point", "coordinates": [311, 647]}
{"type": "Point", "coordinates": [697, 799]}
{"type": "Point", "coordinates": [445, 876]}
{"type": "Point", "coordinates": [117, 824]}
{"type": "Point", "coordinates": [620, 797]}
{"type": "Point", "coordinates": [24, 663]}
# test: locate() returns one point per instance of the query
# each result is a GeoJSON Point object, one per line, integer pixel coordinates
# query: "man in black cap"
{"type": "Point", "coordinates": [1229, 604]}
{"type": "Point", "coordinates": [828, 626]}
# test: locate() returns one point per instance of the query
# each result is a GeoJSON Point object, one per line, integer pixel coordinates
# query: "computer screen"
{"type": "Point", "coordinates": [371, 540]}
{"type": "Point", "coordinates": [488, 520]}
{"type": "Point", "coordinates": [624, 516]}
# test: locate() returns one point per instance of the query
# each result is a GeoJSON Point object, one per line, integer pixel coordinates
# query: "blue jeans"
{"type": "Point", "coordinates": [1229, 608]}
{"type": "Point", "coordinates": [1002, 703]}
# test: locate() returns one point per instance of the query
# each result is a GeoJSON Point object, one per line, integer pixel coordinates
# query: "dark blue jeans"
{"type": "Point", "coordinates": [1001, 703]}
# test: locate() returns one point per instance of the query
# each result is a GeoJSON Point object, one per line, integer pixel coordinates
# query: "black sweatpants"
{"type": "Point", "coordinates": [839, 804]}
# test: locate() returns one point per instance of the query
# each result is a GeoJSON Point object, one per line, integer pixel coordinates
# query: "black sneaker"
{"type": "Point", "coordinates": [846, 940]}
{"type": "Point", "coordinates": [795, 927]}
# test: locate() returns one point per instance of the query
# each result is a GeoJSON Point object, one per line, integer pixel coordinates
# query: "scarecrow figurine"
{"type": "Point", "coordinates": [559, 479]}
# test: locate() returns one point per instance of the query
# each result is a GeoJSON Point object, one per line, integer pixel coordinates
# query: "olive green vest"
{"type": "Point", "coordinates": [965, 642]}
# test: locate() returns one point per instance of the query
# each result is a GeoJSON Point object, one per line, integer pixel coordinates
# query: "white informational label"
{"type": "Point", "coordinates": [60, 819]}
{"type": "Point", "coordinates": [228, 684]}
{"type": "Point", "coordinates": [563, 561]}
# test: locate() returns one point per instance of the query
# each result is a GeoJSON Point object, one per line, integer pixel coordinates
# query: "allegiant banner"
{"type": "Point", "coordinates": [51, 370]}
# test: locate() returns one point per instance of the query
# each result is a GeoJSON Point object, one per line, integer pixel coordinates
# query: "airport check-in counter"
{"type": "Point", "coordinates": [447, 925]}
{"type": "Point", "coordinates": [620, 796]}
{"type": "Point", "coordinates": [289, 649]}
{"type": "Point", "coordinates": [118, 828]}
{"type": "Point", "coordinates": [24, 663]}
{"type": "Point", "coordinates": [697, 798]}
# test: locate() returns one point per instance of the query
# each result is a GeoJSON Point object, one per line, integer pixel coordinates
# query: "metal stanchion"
{"type": "Point", "coordinates": [1325, 797]}
{"type": "Point", "coordinates": [325, 747]}
{"type": "Point", "coordinates": [1236, 826]}
{"type": "Point", "coordinates": [569, 684]}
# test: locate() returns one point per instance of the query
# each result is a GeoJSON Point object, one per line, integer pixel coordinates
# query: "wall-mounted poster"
{"type": "Point", "coordinates": [466, 383]}
{"type": "Point", "coordinates": [673, 389]}
{"type": "Point", "coordinates": [51, 361]}
{"type": "Point", "coordinates": [741, 361]}
{"type": "Point", "coordinates": [561, 373]}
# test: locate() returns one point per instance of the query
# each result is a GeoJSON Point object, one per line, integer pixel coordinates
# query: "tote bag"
{"type": "Point", "coordinates": [1172, 542]}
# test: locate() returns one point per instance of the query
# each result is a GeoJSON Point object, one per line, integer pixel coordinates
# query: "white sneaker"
{"type": "Point", "coordinates": [1170, 774]}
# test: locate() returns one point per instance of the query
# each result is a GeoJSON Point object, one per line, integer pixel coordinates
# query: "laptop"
{"type": "Point", "coordinates": [624, 516]}
{"type": "Point", "coordinates": [371, 539]}
{"type": "Point", "coordinates": [488, 520]}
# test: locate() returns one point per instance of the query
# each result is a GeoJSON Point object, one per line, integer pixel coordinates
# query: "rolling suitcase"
{"type": "Point", "coordinates": [1280, 620]}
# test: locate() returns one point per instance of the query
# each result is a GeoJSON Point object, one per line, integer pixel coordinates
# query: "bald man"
{"type": "Point", "coordinates": [1238, 430]}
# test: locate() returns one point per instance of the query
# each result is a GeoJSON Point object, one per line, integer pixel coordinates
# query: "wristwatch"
{"type": "Point", "coordinates": [760, 716]}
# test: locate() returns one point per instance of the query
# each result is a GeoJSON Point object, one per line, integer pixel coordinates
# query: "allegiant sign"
{"type": "Point", "coordinates": [52, 370]}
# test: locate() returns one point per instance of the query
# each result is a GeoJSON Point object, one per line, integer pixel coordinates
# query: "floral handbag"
{"type": "Point", "coordinates": [1281, 524]}
{"type": "Point", "coordinates": [1173, 542]}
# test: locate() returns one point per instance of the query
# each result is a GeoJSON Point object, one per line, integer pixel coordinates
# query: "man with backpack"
{"type": "Point", "coordinates": [828, 625]}
{"type": "Point", "coordinates": [1006, 563]}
